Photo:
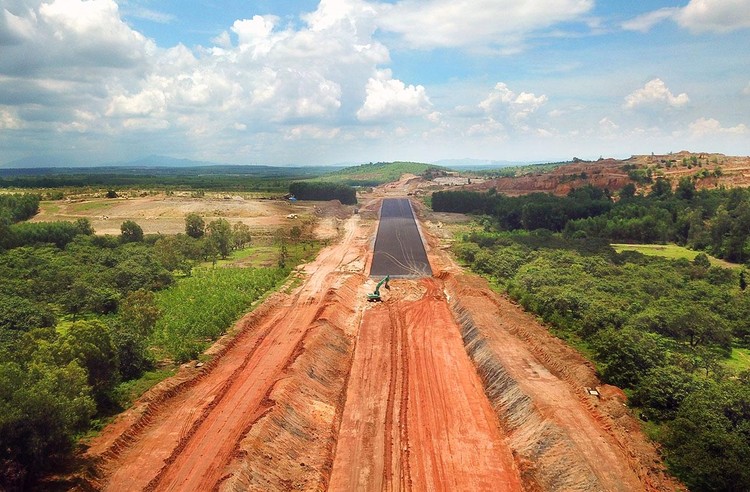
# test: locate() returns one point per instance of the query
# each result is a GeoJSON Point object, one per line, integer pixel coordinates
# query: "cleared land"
{"type": "Point", "coordinates": [166, 214]}
{"type": "Point", "coordinates": [443, 386]}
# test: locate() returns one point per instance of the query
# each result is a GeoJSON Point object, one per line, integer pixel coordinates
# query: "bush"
{"type": "Point", "coordinates": [626, 355]}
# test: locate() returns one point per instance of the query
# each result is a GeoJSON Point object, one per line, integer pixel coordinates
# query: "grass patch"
{"type": "Point", "coordinates": [202, 307]}
{"type": "Point", "coordinates": [670, 251]}
{"type": "Point", "coordinates": [739, 360]}
{"type": "Point", "coordinates": [49, 207]}
{"type": "Point", "coordinates": [91, 206]}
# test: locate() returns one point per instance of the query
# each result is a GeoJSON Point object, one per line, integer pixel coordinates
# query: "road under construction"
{"type": "Point", "coordinates": [444, 385]}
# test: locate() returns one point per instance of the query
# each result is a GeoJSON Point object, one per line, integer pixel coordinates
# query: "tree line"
{"type": "Point", "coordinates": [316, 190]}
{"type": "Point", "coordinates": [714, 221]}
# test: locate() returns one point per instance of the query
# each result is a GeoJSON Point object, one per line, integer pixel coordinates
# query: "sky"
{"type": "Point", "coordinates": [283, 82]}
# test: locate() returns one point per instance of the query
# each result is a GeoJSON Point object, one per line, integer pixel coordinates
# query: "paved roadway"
{"type": "Point", "coordinates": [399, 251]}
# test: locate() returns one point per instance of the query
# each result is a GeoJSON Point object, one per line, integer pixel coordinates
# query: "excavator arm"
{"type": "Point", "coordinates": [375, 296]}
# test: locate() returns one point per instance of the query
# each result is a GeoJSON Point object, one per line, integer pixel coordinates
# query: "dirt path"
{"type": "Point", "coordinates": [416, 417]}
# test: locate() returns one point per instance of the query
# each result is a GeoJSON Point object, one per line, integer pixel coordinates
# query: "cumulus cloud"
{"type": "Point", "coordinates": [709, 126]}
{"type": "Point", "coordinates": [515, 107]}
{"type": "Point", "coordinates": [476, 23]}
{"type": "Point", "coordinates": [388, 97]}
{"type": "Point", "coordinates": [655, 93]}
{"type": "Point", "coordinates": [714, 15]}
{"type": "Point", "coordinates": [698, 16]}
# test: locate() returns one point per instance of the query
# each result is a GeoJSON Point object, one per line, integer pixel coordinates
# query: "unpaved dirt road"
{"type": "Point", "coordinates": [443, 386]}
{"type": "Point", "coordinates": [416, 416]}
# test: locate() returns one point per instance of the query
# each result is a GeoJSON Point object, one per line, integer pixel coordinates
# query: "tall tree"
{"type": "Point", "coordinates": [195, 226]}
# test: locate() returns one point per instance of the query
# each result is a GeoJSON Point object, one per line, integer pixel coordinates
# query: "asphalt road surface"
{"type": "Point", "coordinates": [399, 251]}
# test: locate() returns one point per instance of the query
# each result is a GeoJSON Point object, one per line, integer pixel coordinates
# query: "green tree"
{"type": "Point", "coordinates": [195, 226]}
{"type": "Point", "coordinates": [131, 232]}
{"type": "Point", "coordinates": [241, 235]}
{"type": "Point", "coordinates": [220, 234]}
{"type": "Point", "coordinates": [84, 226]}
{"type": "Point", "coordinates": [662, 390]}
{"type": "Point", "coordinates": [626, 355]}
{"type": "Point", "coordinates": [627, 191]}
{"type": "Point", "coordinates": [709, 439]}
{"type": "Point", "coordinates": [685, 189]}
{"type": "Point", "coordinates": [42, 407]}
{"type": "Point", "coordinates": [701, 260]}
{"type": "Point", "coordinates": [90, 344]}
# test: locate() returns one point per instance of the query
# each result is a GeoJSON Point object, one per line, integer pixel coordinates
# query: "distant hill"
{"type": "Point", "coordinates": [374, 174]}
{"type": "Point", "coordinates": [479, 164]}
{"type": "Point", "coordinates": [705, 170]}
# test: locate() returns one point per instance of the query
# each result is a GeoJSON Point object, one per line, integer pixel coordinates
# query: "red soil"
{"type": "Point", "coordinates": [416, 416]}
{"type": "Point", "coordinates": [443, 386]}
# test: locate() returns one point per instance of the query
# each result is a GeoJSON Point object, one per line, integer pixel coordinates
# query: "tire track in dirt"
{"type": "Point", "coordinates": [436, 429]}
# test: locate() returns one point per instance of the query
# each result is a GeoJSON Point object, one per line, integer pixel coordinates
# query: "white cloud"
{"type": "Point", "coordinates": [8, 120]}
{"type": "Point", "coordinates": [515, 107]}
{"type": "Point", "coordinates": [698, 16]}
{"type": "Point", "coordinates": [655, 93]}
{"type": "Point", "coordinates": [149, 14]}
{"type": "Point", "coordinates": [388, 97]}
{"type": "Point", "coordinates": [746, 90]}
{"type": "Point", "coordinates": [709, 126]}
{"type": "Point", "coordinates": [313, 132]}
{"type": "Point", "coordinates": [476, 23]}
{"type": "Point", "coordinates": [645, 22]}
{"type": "Point", "coordinates": [715, 15]}
{"type": "Point", "coordinates": [607, 126]}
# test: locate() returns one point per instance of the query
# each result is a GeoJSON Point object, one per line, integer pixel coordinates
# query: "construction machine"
{"type": "Point", "coordinates": [375, 296]}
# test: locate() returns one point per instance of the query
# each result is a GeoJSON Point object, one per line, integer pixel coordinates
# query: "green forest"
{"type": "Point", "coordinates": [87, 320]}
{"type": "Point", "coordinates": [317, 190]}
{"type": "Point", "coordinates": [664, 330]}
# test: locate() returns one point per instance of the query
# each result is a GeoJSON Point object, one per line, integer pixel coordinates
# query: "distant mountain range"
{"type": "Point", "coordinates": [151, 161]}
{"type": "Point", "coordinates": [160, 161]}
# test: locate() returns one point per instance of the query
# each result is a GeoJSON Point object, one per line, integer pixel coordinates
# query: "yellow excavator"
{"type": "Point", "coordinates": [375, 296]}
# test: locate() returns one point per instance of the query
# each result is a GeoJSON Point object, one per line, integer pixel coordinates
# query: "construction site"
{"type": "Point", "coordinates": [387, 367]}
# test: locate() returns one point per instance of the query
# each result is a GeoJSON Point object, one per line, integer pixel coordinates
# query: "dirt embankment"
{"type": "Point", "coordinates": [708, 171]}
{"type": "Point", "coordinates": [279, 383]}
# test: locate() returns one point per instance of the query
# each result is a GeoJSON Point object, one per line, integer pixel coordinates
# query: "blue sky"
{"type": "Point", "coordinates": [348, 81]}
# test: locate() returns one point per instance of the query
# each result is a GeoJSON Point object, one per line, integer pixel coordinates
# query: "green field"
{"type": "Point", "coordinates": [739, 360]}
{"type": "Point", "coordinates": [202, 307]}
{"type": "Point", "coordinates": [671, 251]}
